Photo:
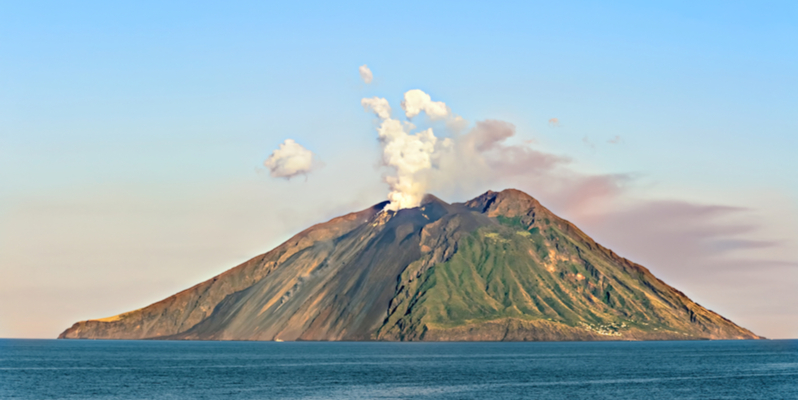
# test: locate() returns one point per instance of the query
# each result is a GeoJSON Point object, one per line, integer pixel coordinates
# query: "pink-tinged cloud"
{"type": "Point", "coordinates": [489, 134]}
{"type": "Point", "coordinates": [482, 158]}
{"type": "Point", "coordinates": [574, 193]}
{"type": "Point", "coordinates": [713, 253]}
{"type": "Point", "coordinates": [679, 232]}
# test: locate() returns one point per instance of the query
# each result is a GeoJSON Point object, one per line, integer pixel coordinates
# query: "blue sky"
{"type": "Point", "coordinates": [117, 121]}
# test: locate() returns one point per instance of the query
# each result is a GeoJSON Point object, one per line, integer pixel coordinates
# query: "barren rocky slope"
{"type": "Point", "coordinates": [498, 267]}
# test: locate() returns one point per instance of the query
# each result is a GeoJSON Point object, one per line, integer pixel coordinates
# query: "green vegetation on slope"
{"type": "Point", "coordinates": [538, 273]}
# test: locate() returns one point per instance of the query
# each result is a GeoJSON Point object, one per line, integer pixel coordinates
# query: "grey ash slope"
{"type": "Point", "coordinates": [498, 267]}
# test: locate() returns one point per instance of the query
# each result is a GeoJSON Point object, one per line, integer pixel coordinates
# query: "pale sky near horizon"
{"type": "Point", "coordinates": [132, 137]}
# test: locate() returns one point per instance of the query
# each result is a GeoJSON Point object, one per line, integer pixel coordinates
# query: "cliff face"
{"type": "Point", "coordinates": [498, 267]}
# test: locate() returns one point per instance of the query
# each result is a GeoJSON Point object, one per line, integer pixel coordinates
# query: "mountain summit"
{"type": "Point", "coordinates": [498, 267]}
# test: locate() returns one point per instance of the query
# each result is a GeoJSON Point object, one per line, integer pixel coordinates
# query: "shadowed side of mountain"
{"type": "Point", "coordinates": [183, 310]}
{"type": "Point", "coordinates": [333, 291]}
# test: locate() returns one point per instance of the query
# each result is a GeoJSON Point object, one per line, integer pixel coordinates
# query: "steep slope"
{"type": "Point", "coordinates": [498, 267]}
{"type": "Point", "coordinates": [534, 276]}
{"type": "Point", "coordinates": [186, 309]}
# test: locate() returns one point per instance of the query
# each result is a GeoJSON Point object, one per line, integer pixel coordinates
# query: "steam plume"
{"type": "Point", "coordinates": [408, 154]}
{"type": "Point", "coordinates": [378, 105]}
{"type": "Point", "coordinates": [366, 73]}
{"type": "Point", "coordinates": [421, 161]}
{"type": "Point", "coordinates": [416, 101]}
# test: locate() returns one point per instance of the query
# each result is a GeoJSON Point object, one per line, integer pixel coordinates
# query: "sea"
{"type": "Point", "coordinates": [118, 369]}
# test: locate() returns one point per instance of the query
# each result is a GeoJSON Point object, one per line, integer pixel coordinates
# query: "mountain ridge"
{"type": "Point", "coordinates": [498, 267]}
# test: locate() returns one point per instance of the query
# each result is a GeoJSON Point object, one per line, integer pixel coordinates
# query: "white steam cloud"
{"type": "Point", "coordinates": [289, 160]}
{"type": "Point", "coordinates": [408, 154]}
{"type": "Point", "coordinates": [366, 73]}
{"type": "Point", "coordinates": [380, 106]}
{"type": "Point", "coordinates": [416, 101]}
{"type": "Point", "coordinates": [420, 161]}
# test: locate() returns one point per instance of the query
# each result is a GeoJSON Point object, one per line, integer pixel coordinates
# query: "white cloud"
{"type": "Point", "coordinates": [289, 160]}
{"type": "Point", "coordinates": [379, 106]}
{"type": "Point", "coordinates": [366, 73]}
{"type": "Point", "coordinates": [416, 101]}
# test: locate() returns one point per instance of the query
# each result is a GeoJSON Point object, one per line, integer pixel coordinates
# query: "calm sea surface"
{"type": "Point", "coordinates": [69, 369]}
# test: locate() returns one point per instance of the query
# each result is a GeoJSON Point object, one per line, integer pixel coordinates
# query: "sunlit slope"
{"type": "Point", "coordinates": [533, 276]}
{"type": "Point", "coordinates": [499, 267]}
